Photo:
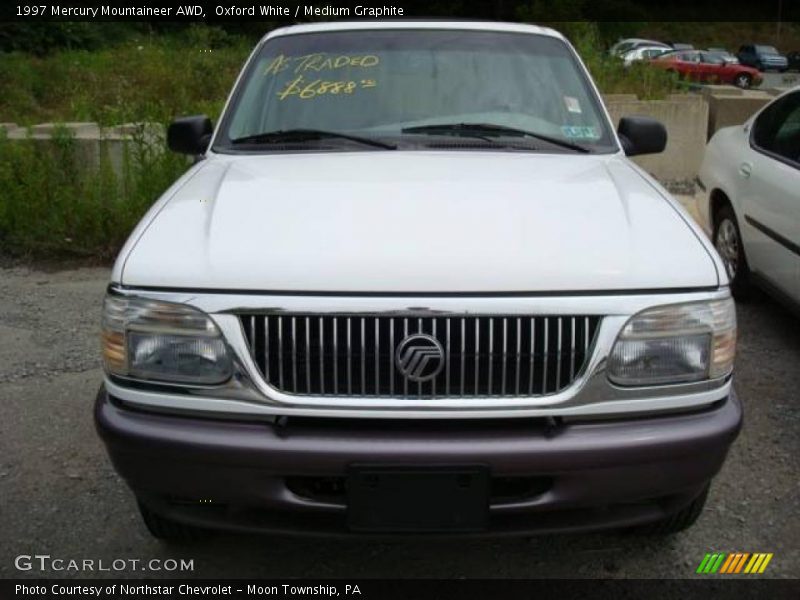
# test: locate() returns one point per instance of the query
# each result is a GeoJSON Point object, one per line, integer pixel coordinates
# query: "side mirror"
{"type": "Point", "coordinates": [190, 135]}
{"type": "Point", "coordinates": [641, 135]}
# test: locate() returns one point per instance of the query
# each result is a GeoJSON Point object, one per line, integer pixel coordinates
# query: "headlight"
{"type": "Point", "coordinates": [675, 343]}
{"type": "Point", "coordinates": [161, 341]}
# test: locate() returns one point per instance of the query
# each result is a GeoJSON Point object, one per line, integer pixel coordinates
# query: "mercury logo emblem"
{"type": "Point", "coordinates": [419, 357]}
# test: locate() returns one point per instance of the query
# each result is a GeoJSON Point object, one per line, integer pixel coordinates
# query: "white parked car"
{"type": "Point", "coordinates": [643, 53]}
{"type": "Point", "coordinates": [623, 46]}
{"type": "Point", "coordinates": [751, 174]}
{"type": "Point", "coordinates": [414, 284]}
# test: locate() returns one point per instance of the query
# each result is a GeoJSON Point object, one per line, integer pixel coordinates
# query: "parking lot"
{"type": "Point", "coordinates": [60, 495]}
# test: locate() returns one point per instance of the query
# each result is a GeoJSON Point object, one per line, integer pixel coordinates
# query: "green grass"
{"type": "Point", "coordinates": [54, 203]}
{"type": "Point", "coordinates": [141, 80]}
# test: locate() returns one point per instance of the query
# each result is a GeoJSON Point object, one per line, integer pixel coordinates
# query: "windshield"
{"type": "Point", "coordinates": [379, 83]}
{"type": "Point", "coordinates": [766, 50]}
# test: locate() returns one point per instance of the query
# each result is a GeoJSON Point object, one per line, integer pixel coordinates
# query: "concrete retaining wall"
{"type": "Point", "coordinates": [686, 118]}
{"type": "Point", "coordinates": [690, 120]}
{"type": "Point", "coordinates": [726, 108]}
{"type": "Point", "coordinates": [93, 143]}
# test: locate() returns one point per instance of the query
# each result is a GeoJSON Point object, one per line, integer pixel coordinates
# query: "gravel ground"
{"type": "Point", "coordinates": [60, 496]}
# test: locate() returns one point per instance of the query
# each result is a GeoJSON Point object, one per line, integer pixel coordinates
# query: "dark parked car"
{"type": "Point", "coordinates": [763, 58]}
{"type": "Point", "coordinates": [793, 58]}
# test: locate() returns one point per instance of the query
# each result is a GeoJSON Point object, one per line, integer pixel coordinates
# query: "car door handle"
{"type": "Point", "coordinates": [745, 169]}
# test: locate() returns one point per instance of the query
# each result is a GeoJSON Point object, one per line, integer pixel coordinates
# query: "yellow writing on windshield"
{"type": "Point", "coordinates": [319, 62]}
{"type": "Point", "coordinates": [306, 89]}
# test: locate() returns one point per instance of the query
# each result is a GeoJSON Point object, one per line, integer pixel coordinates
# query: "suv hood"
{"type": "Point", "coordinates": [416, 222]}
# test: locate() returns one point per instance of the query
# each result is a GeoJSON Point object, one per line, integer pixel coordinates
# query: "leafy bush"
{"type": "Point", "coordinates": [40, 38]}
{"type": "Point", "coordinates": [57, 201]}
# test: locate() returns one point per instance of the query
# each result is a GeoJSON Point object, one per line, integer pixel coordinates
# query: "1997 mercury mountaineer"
{"type": "Point", "coordinates": [413, 284]}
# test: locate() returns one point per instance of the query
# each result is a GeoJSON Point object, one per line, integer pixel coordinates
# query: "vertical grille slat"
{"type": "Point", "coordinates": [532, 356]}
{"type": "Point", "coordinates": [572, 348]}
{"type": "Point", "coordinates": [519, 354]}
{"type": "Point", "coordinates": [405, 380]}
{"type": "Point", "coordinates": [546, 353]}
{"type": "Point", "coordinates": [280, 352]}
{"type": "Point", "coordinates": [491, 353]}
{"type": "Point", "coordinates": [266, 348]}
{"type": "Point", "coordinates": [349, 359]}
{"type": "Point", "coordinates": [504, 357]}
{"type": "Point", "coordinates": [419, 330]}
{"type": "Point", "coordinates": [447, 359]}
{"type": "Point", "coordinates": [483, 356]}
{"type": "Point", "coordinates": [462, 379]}
{"type": "Point", "coordinates": [307, 359]}
{"type": "Point", "coordinates": [391, 356]}
{"type": "Point", "coordinates": [477, 355]}
{"type": "Point", "coordinates": [321, 356]}
{"type": "Point", "coordinates": [377, 350]}
{"type": "Point", "coordinates": [586, 335]}
{"type": "Point", "coordinates": [558, 355]}
{"type": "Point", "coordinates": [335, 357]}
{"type": "Point", "coordinates": [433, 381]}
{"type": "Point", "coordinates": [363, 359]}
{"type": "Point", "coordinates": [294, 353]}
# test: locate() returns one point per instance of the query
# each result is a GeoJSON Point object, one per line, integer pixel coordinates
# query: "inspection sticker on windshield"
{"type": "Point", "coordinates": [572, 104]}
{"type": "Point", "coordinates": [579, 132]}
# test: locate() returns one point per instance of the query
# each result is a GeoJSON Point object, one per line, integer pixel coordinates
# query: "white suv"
{"type": "Point", "coordinates": [413, 284]}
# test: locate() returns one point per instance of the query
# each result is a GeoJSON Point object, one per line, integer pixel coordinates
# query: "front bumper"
{"type": "Point", "coordinates": [774, 64]}
{"type": "Point", "coordinates": [288, 478]}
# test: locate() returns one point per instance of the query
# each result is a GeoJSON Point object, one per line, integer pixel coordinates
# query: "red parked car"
{"type": "Point", "coordinates": [707, 67]}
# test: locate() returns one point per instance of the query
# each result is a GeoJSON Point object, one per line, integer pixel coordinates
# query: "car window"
{"type": "Point", "coordinates": [712, 59]}
{"type": "Point", "coordinates": [766, 50]}
{"type": "Point", "coordinates": [777, 128]}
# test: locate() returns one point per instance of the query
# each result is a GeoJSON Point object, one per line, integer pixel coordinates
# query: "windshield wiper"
{"type": "Point", "coordinates": [488, 130]}
{"type": "Point", "coordinates": [301, 135]}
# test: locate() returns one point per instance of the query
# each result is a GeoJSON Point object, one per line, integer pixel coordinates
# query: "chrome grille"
{"type": "Point", "coordinates": [484, 356]}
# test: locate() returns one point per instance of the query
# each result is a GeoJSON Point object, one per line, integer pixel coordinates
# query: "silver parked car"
{"type": "Point", "coordinates": [642, 53]}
